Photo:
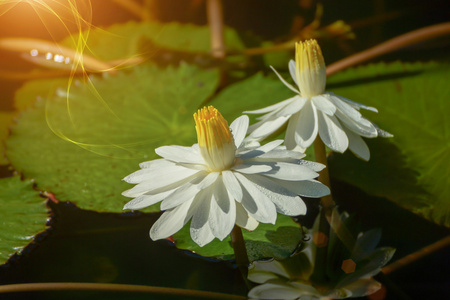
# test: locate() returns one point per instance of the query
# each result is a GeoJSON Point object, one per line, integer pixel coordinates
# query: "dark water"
{"type": "Point", "coordinates": [85, 246]}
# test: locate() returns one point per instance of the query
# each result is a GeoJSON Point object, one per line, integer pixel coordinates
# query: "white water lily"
{"type": "Point", "coordinates": [349, 271]}
{"type": "Point", "coordinates": [220, 182]}
{"type": "Point", "coordinates": [313, 111]}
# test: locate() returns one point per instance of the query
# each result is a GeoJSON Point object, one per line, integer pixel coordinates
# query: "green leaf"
{"type": "Point", "coordinates": [6, 118]}
{"type": "Point", "coordinates": [80, 146]}
{"type": "Point", "coordinates": [268, 240]}
{"type": "Point", "coordinates": [413, 168]}
{"type": "Point", "coordinates": [23, 215]}
{"type": "Point", "coordinates": [124, 40]}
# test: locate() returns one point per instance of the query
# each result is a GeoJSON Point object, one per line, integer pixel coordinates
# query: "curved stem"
{"type": "Point", "coordinates": [108, 287]}
{"type": "Point", "coordinates": [401, 41]}
{"type": "Point", "coordinates": [445, 242]}
{"type": "Point", "coordinates": [215, 20]}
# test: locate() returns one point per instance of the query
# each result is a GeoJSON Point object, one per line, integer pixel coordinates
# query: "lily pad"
{"type": "Point", "coordinates": [412, 169]}
{"type": "Point", "coordinates": [23, 215]}
{"type": "Point", "coordinates": [268, 240]}
{"type": "Point", "coordinates": [124, 40]}
{"type": "Point", "coordinates": [79, 145]}
{"type": "Point", "coordinates": [6, 118]}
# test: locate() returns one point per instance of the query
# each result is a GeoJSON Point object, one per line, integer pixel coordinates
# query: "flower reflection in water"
{"type": "Point", "coordinates": [348, 270]}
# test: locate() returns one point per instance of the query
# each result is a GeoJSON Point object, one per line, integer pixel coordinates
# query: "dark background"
{"type": "Point", "coordinates": [86, 246]}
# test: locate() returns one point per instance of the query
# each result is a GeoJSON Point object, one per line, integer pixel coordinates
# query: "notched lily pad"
{"type": "Point", "coordinates": [268, 240]}
{"type": "Point", "coordinates": [412, 168]}
{"type": "Point", "coordinates": [23, 215]}
{"type": "Point", "coordinates": [79, 145]}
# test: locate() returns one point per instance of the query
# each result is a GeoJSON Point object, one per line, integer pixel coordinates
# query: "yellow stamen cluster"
{"type": "Point", "coordinates": [215, 140]}
{"type": "Point", "coordinates": [310, 68]}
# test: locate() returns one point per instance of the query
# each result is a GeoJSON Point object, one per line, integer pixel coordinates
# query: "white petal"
{"type": "Point", "coordinates": [261, 150]}
{"type": "Point", "coordinates": [272, 266]}
{"type": "Point", "coordinates": [355, 104]}
{"type": "Point", "coordinates": [285, 82]}
{"type": "Point", "coordinates": [331, 133]}
{"type": "Point", "coordinates": [232, 185]}
{"type": "Point", "coordinates": [255, 202]}
{"type": "Point", "coordinates": [362, 287]}
{"type": "Point", "coordinates": [150, 170]}
{"type": "Point", "coordinates": [366, 243]}
{"type": "Point", "coordinates": [202, 236]}
{"type": "Point", "coordinates": [382, 133]}
{"type": "Point", "coordinates": [156, 163]}
{"type": "Point", "coordinates": [180, 154]}
{"type": "Point", "coordinates": [352, 118]}
{"type": "Point", "coordinates": [307, 126]}
{"type": "Point", "coordinates": [357, 145]}
{"type": "Point", "coordinates": [324, 105]}
{"type": "Point", "coordinates": [189, 190]}
{"type": "Point", "coordinates": [289, 138]}
{"type": "Point", "coordinates": [316, 167]}
{"type": "Point", "coordinates": [200, 230]}
{"type": "Point", "coordinates": [343, 107]}
{"type": "Point", "coordinates": [222, 216]}
{"type": "Point", "coordinates": [293, 172]}
{"type": "Point", "coordinates": [171, 222]}
{"type": "Point", "coordinates": [271, 108]}
{"type": "Point", "coordinates": [244, 220]}
{"type": "Point", "coordinates": [286, 202]}
{"type": "Point", "coordinates": [265, 128]}
{"type": "Point", "coordinates": [372, 265]}
{"type": "Point", "coordinates": [362, 127]}
{"type": "Point", "coordinates": [280, 155]}
{"type": "Point", "coordinates": [145, 200]}
{"type": "Point", "coordinates": [249, 168]}
{"type": "Point", "coordinates": [275, 291]}
{"type": "Point", "coordinates": [166, 177]}
{"type": "Point", "coordinates": [179, 196]}
{"type": "Point", "coordinates": [306, 188]}
{"type": "Point", "coordinates": [292, 71]}
{"type": "Point", "coordinates": [239, 129]}
{"type": "Point", "coordinates": [260, 276]}
{"type": "Point", "coordinates": [293, 107]}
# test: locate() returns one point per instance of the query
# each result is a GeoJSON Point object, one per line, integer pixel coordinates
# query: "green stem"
{"type": "Point", "coordinates": [240, 252]}
{"type": "Point", "coordinates": [109, 287]}
{"type": "Point", "coordinates": [327, 203]}
{"type": "Point", "coordinates": [324, 177]}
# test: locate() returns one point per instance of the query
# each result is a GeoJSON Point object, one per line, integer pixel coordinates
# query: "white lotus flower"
{"type": "Point", "coordinates": [219, 182]}
{"type": "Point", "coordinates": [314, 111]}
{"type": "Point", "coordinates": [349, 271]}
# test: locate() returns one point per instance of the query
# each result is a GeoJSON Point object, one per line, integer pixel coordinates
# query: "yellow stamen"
{"type": "Point", "coordinates": [215, 140]}
{"type": "Point", "coordinates": [310, 68]}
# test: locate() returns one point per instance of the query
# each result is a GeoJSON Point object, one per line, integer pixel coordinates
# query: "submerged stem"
{"type": "Point", "coordinates": [110, 287]}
